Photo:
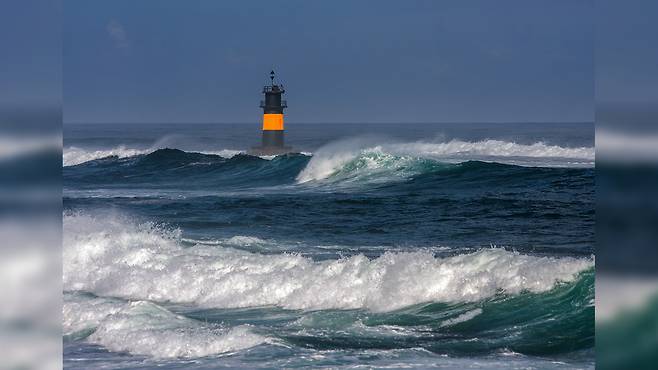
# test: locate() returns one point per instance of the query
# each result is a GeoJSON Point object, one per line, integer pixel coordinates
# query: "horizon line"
{"type": "Point", "coordinates": [314, 123]}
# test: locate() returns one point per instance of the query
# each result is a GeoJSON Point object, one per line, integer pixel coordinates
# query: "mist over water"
{"type": "Point", "coordinates": [424, 244]}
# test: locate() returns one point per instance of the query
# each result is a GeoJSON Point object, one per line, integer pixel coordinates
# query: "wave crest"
{"type": "Point", "coordinates": [405, 159]}
{"type": "Point", "coordinates": [113, 257]}
{"type": "Point", "coordinates": [73, 156]}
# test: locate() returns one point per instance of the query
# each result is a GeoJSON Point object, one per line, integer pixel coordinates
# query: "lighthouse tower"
{"type": "Point", "coordinates": [273, 142]}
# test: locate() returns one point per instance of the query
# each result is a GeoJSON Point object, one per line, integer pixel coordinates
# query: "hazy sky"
{"type": "Point", "coordinates": [341, 61]}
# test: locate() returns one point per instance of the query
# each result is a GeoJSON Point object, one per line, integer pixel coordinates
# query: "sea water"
{"type": "Point", "coordinates": [376, 245]}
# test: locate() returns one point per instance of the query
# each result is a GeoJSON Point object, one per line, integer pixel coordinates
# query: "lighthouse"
{"type": "Point", "coordinates": [273, 127]}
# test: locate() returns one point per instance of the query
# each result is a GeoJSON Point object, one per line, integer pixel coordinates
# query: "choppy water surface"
{"type": "Point", "coordinates": [386, 246]}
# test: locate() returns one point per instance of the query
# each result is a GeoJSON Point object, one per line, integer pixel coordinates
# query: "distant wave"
{"type": "Point", "coordinates": [341, 164]}
{"type": "Point", "coordinates": [73, 155]}
{"type": "Point", "coordinates": [331, 157]}
{"type": "Point", "coordinates": [113, 256]}
{"type": "Point", "coordinates": [408, 158]}
{"type": "Point", "coordinates": [497, 148]}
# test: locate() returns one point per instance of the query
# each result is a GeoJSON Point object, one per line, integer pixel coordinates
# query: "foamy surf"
{"type": "Point", "coordinates": [145, 328]}
{"type": "Point", "coordinates": [111, 256]}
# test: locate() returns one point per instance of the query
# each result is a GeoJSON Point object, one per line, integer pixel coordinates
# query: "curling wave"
{"type": "Point", "coordinates": [111, 256]}
{"type": "Point", "coordinates": [407, 159]}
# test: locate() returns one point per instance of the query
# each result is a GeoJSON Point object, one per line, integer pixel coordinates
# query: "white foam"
{"type": "Point", "coordinates": [466, 316]}
{"type": "Point", "coordinates": [330, 159]}
{"type": "Point", "coordinates": [225, 153]}
{"type": "Point", "coordinates": [73, 155]}
{"type": "Point", "coordinates": [81, 313]}
{"type": "Point", "coordinates": [113, 257]}
{"type": "Point", "coordinates": [245, 241]}
{"type": "Point", "coordinates": [238, 240]}
{"type": "Point", "coordinates": [326, 162]}
{"type": "Point", "coordinates": [145, 328]}
{"type": "Point", "coordinates": [496, 148]}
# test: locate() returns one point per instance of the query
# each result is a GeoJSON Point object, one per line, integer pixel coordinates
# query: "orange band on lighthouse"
{"type": "Point", "coordinates": [272, 121]}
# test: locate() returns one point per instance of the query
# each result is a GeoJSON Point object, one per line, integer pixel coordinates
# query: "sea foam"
{"type": "Point", "coordinates": [113, 256]}
{"type": "Point", "coordinates": [146, 328]}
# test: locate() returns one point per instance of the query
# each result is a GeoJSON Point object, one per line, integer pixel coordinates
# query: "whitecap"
{"type": "Point", "coordinates": [73, 155]}
{"type": "Point", "coordinates": [111, 256]}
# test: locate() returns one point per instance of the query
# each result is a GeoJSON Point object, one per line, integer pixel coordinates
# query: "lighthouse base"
{"type": "Point", "coordinates": [270, 150]}
{"type": "Point", "coordinates": [273, 143]}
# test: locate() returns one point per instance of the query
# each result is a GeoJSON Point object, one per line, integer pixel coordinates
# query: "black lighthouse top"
{"type": "Point", "coordinates": [273, 102]}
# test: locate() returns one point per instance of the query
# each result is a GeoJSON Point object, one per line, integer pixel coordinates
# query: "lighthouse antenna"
{"type": "Point", "coordinates": [272, 77]}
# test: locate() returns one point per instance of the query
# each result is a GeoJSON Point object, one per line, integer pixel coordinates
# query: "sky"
{"type": "Point", "coordinates": [341, 61]}
{"type": "Point", "coordinates": [30, 54]}
{"type": "Point", "coordinates": [626, 54]}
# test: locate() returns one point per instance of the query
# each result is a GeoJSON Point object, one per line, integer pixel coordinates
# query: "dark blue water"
{"type": "Point", "coordinates": [447, 245]}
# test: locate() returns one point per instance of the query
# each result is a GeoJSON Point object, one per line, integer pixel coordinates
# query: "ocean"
{"type": "Point", "coordinates": [465, 245]}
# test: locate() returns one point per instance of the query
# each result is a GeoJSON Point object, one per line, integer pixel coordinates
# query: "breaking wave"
{"type": "Point", "coordinates": [339, 159]}
{"type": "Point", "coordinates": [73, 156]}
{"type": "Point", "coordinates": [345, 164]}
{"type": "Point", "coordinates": [113, 256]}
{"type": "Point", "coordinates": [330, 158]}
{"type": "Point", "coordinates": [145, 328]}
